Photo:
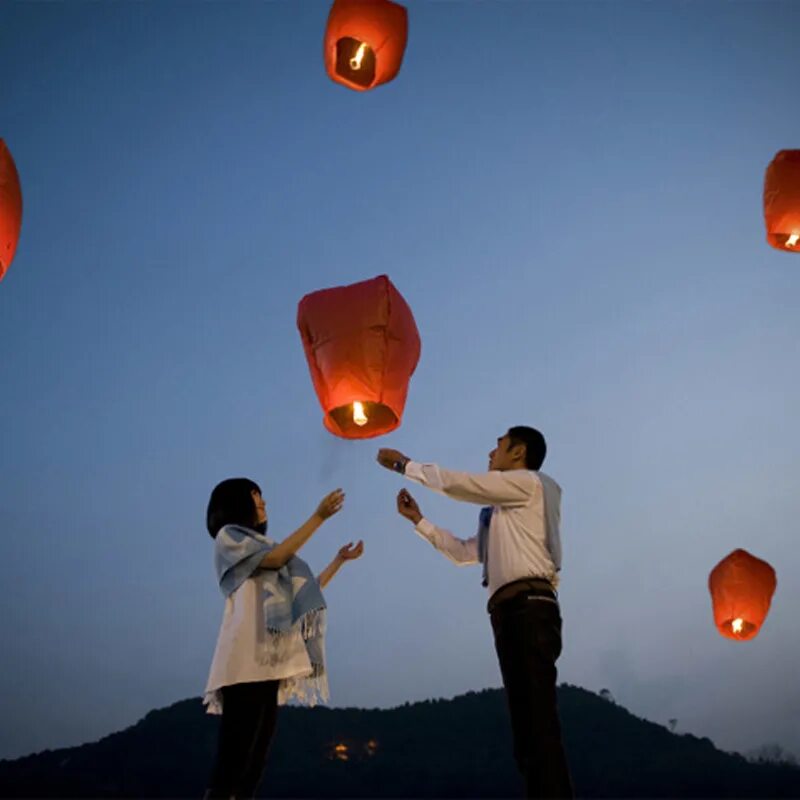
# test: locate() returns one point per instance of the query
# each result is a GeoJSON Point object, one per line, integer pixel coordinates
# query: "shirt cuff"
{"type": "Point", "coordinates": [425, 527]}
{"type": "Point", "coordinates": [413, 470]}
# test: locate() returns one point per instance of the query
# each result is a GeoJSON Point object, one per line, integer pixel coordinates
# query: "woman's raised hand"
{"type": "Point", "coordinates": [331, 504]}
{"type": "Point", "coordinates": [350, 551]}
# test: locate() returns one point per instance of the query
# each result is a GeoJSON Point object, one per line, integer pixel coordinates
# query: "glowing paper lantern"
{"type": "Point", "coordinates": [782, 201]}
{"type": "Point", "coordinates": [364, 42]}
{"type": "Point", "coordinates": [10, 208]}
{"type": "Point", "coordinates": [741, 587]}
{"type": "Point", "coordinates": [362, 347]}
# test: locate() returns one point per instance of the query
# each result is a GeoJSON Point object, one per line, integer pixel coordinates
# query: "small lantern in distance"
{"type": "Point", "coordinates": [782, 201]}
{"type": "Point", "coordinates": [362, 347]}
{"type": "Point", "coordinates": [10, 208]}
{"type": "Point", "coordinates": [364, 42]}
{"type": "Point", "coordinates": [741, 587]}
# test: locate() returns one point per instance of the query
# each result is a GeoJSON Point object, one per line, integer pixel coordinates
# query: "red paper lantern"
{"type": "Point", "coordinates": [362, 347]}
{"type": "Point", "coordinates": [364, 42]}
{"type": "Point", "coordinates": [10, 208]}
{"type": "Point", "coordinates": [741, 587]}
{"type": "Point", "coordinates": [782, 201]}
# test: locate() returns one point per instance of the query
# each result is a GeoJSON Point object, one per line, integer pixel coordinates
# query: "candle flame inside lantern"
{"type": "Point", "coordinates": [793, 240]}
{"type": "Point", "coordinates": [359, 417]}
{"type": "Point", "coordinates": [355, 61]}
{"type": "Point", "coordinates": [737, 625]}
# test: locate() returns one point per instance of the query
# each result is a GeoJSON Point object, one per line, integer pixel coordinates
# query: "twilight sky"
{"type": "Point", "coordinates": [568, 194]}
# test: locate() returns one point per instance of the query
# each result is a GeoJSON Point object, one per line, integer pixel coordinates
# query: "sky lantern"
{"type": "Point", "coordinates": [362, 347]}
{"type": "Point", "coordinates": [10, 208]}
{"type": "Point", "coordinates": [741, 587]}
{"type": "Point", "coordinates": [782, 201]}
{"type": "Point", "coordinates": [364, 42]}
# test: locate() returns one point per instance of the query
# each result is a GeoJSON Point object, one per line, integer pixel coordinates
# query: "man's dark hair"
{"type": "Point", "coordinates": [535, 445]}
{"type": "Point", "coordinates": [231, 503]}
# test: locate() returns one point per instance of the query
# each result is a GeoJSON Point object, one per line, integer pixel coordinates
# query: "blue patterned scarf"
{"type": "Point", "coordinates": [293, 605]}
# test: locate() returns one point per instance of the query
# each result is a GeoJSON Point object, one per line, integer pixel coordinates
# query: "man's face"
{"type": "Point", "coordinates": [498, 458]}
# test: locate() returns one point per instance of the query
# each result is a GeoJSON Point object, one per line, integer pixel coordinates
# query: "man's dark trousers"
{"type": "Point", "coordinates": [527, 637]}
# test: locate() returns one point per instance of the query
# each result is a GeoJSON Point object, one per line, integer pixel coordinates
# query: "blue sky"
{"type": "Point", "coordinates": [569, 197]}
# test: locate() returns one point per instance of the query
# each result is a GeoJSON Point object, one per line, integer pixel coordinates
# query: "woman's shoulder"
{"type": "Point", "coordinates": [236, 530]}
{"type": "Point", "coordinates": [237, 534]}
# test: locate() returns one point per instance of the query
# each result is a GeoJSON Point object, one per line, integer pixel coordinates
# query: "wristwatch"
{"type": "Point", "coordinates": [400, 466]}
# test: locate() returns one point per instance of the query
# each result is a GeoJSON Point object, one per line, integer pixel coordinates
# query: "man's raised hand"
{"type": "Point", "coordinates": [391, 459]}
{"type": "Point", "coordinates": [407, 506]}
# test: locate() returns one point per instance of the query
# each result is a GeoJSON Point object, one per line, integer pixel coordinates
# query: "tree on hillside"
{"type": "Point", "coordinates": [772, 753]}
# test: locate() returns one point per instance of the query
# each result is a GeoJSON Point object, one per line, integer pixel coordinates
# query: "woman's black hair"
{"type": "Point", "coordinates": [535, 445]}
{"type": "Point", "coordinates": [231, 503]}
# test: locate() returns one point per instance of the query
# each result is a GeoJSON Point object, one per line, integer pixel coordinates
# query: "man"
{"type": "Point", "coordinates": [519, 545]}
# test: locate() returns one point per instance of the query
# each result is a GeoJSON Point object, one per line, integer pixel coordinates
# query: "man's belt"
{"type": "Point", "coordinates": [539, 587]}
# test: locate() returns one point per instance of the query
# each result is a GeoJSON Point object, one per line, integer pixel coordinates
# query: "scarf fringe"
{"type": "Point", "coordinates": [279, 645]}
{"type": "Point", "coordinates": [312, 625]}
{"type": "Point", "coordinates": [213, 701]}
{"type": "Point", "coordinates": [308, 690]}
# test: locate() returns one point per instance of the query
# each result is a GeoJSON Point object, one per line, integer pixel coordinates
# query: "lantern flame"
{"type": "Point", "coordinates": [737, 625]}
{"type": "Point", "coordinates": [359, 417]}
{"type": "Point", "coordinates": [793, 240]}
{"type": "Point", "coordinates": [355, 62]}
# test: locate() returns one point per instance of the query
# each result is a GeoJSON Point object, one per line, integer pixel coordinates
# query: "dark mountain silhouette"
{"type": "Point", "coordinates": [440, 748]}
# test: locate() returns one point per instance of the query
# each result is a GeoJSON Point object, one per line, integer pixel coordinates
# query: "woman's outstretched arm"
{"type": "Point", "coordinates": [347, 553]}
{"type": "Point", "coordinates": [282, 552]}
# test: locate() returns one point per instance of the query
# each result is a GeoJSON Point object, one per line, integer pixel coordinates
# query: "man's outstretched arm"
{"type": "Point", "coordinates": [460, 551]}
{"type": "Point", "coordinates": [511, 488]}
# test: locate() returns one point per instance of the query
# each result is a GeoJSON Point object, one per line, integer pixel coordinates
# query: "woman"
{"type": "Point", "coordinates": [271, 641]}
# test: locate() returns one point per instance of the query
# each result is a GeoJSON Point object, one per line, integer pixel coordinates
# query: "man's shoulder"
{"type": "Point", "coordinates": [528, 479]}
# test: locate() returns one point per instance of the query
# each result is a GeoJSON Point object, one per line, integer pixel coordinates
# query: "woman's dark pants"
{"type": "Point", "coordinates": [249, 712]}
{"type": "Point", "coordinates": [527, 636]}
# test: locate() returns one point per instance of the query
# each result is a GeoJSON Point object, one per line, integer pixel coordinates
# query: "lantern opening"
{"type": "Point", "coordinates": [793, 240]}
{"type": "Point", "coordinates": [740, 628]}
{"type": "Point", "coordinates": [355, 61]}
{"type": "Point", "coordinates": [362, 418]}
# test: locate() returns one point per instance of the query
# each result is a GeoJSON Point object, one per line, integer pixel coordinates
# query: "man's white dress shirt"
{"type": "Point", "coordinates": [524, 539]}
